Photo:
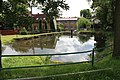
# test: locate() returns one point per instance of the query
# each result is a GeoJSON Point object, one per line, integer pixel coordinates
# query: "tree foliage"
{"type": "Point", "coordinates": [103, 11]}
{"type": "Point", "coordinates": [52, 9]}
{"type": "Point", "coordinates": [15, 12]}
{"type": "Point", "coordinates": [84, 23]}
{"type": "Point", "coordinates": [18, 9]}
{"type": "Point", "coordinates": [86, 13]}
{"type": "Point", "coordinates": [108, 11]}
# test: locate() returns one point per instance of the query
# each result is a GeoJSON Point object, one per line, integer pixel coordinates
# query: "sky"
{"type": "Point", "coordinates": [75, 7]}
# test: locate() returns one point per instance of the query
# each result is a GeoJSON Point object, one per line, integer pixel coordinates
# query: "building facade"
{"type": "Point", "coordinates": [68, 23]}
{"type": "Point", "coordinates": [38, 20]}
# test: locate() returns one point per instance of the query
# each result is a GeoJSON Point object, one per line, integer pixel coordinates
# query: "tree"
{"type": "Point", "coordinates": [84, 23]}
{"type": "Point", "coordinates": [15, 12]}
{"type": "Point", "coordinates": [1, 5]}
{"type": "Point", "coordinates": [51, 8]}
{"type": "Point", "coordinates": [116, 51]}
{"type": "Point", "coordinates": [116, 22]}
{"type": "Point", "coordinates": [103, 11]}
{"type": "Point", "coordinates": [85, 13]}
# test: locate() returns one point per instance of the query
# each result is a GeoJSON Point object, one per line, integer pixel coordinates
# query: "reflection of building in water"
{"type": "Point", "coordinates": [42, 42]}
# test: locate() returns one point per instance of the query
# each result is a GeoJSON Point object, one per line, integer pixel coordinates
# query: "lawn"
{"type": "Point", "coordinates": [7, 39]}
{"type": "Point", "coordinates": [107, 62]}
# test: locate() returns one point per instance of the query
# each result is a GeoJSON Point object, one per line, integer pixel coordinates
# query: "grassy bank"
{"type": "Point", "coordinates": [7, 39]}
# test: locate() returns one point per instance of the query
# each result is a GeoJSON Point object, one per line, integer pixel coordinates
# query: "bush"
{"type": "Point", "coordinates": [23, 31]}
{"type": "Point", "coordinates": [60, 27]}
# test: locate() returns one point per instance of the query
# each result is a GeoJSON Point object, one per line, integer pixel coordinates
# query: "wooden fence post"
{"type": "Point", "coordinates": [93, 57]}
{"type": "Point", "coordinates": [71, 33]}
{"type": "Point", "coordinates": [0, 52]}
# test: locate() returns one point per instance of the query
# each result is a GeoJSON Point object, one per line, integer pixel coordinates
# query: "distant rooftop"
{"type": "Point", "coordinates": [67, 19]}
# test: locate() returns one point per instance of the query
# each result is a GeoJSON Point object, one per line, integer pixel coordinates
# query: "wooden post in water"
{"type": "Point", "coordinates": [93, 57]}
{"type": "Point", "coordinates": [71, 33]}
{"type": "Point", "coordinates": [0, 51]}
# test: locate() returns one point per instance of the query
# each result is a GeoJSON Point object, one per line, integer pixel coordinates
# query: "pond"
{"type": "Point", "coordinates": [53, 45]}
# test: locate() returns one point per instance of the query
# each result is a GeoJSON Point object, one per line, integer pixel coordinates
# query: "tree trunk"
{"type": "Point", "coordinates": [1, 5]}
{"type": "Point", "coordinates": [116, 51]}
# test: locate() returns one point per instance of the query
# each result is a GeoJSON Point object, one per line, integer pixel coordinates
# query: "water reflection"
{"type": "Point", "coordinates": [100, 39]}
{"type": "Point", "coordinates": [84, 38]}
{"type": "Point", "coordinates": [66, 44]}
{"type": "Point", "coordinates": [54, 44]}
{"type": "Point", "coordinates": [33, 46]}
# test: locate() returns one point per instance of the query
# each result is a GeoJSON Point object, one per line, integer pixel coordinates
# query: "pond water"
{"type": "Point", "coordinates": [54, 45]}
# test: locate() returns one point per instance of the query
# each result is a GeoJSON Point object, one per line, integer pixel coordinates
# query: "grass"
{"type": "Point", "coordinates": [107, 62]}
{"type": "Point", "coordinates": [34, 72]}
{"type": "Point", "coordinates": [7, 39]}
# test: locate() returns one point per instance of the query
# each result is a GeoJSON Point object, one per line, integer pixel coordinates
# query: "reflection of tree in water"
{"type": "Point", "coordinates": [41, 42]}
{"type": "Point", "coordinates": [84, 38]}
{"type": "Point", "coordinates": [100, 41]}
{"type": "Point", "coordinates": [22, 46]}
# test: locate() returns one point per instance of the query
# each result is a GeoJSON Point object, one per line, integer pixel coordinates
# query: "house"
{"type": "Point", "coordinates": [68, 23]}
{"type": "Point", "coordinates": [36, 22]}
{"type": "Point", "coordinates": [40, 23]}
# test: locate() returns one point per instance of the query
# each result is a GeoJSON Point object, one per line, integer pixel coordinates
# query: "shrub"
{"type": "Point", "coordinates": [23, 31]}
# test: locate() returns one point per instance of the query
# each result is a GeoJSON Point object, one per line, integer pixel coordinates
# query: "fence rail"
{"type": "Point", "coordinates": [92, 51]}
{"type": "Point", "coordinates": [46, 54]}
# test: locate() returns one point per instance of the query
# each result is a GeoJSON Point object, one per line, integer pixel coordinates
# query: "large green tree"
{"type": "Point", "coordinates": [116, 24]}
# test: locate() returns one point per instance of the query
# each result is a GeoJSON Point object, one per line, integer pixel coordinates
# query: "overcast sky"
{"type": "Point", "coordinates": [75, 7]}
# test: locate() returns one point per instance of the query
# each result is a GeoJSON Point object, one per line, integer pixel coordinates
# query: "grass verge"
{"type": "Point", "coordinates": [107, 62]}
{"type": "Point", "coordinates": [7, 39]}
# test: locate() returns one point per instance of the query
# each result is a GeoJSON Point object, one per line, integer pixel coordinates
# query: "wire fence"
{"type": "Point", "coordinates": [92, 62]}
{"type": "Point", "coordinates": [92, 51]}
{"type": "Point", "coordinates": [47, 65]}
